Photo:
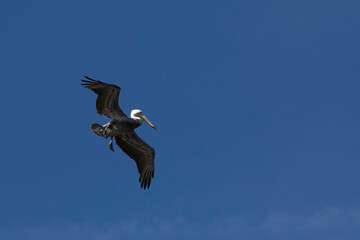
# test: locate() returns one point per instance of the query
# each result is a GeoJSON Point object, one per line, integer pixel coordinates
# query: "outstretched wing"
{"type": "Point", "coordinates": [142, 153]}
{"type": "Point", "coordinates": [108, 96]}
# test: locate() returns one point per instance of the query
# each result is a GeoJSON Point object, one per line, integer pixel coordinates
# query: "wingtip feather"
{"type": "Point", "coordinates": [89, 78]}
{"type": "Point", "coordinates": [145, 179]}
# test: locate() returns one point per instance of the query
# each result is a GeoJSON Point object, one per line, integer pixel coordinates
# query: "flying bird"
{"type": "Point", "coordinates": [121, 127]}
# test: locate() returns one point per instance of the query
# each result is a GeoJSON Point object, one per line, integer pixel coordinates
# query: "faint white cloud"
{"type": "Point", "coordinates": [330, 218]}
{"type": "Point", "coordinates": [331, 223]}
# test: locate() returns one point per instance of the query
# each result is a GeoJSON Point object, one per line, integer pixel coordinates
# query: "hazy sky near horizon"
{"type": "Point", "coordinates": [256, 105]}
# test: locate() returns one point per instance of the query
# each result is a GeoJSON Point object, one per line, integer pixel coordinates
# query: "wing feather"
{"type": "Point", "coordinates": [141, 153]}
{"type": "Point", "coordinates": [108, 97]}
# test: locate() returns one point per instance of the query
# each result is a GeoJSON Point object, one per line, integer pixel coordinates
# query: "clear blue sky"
{"type": "Point", "coordinates": [256, 105]}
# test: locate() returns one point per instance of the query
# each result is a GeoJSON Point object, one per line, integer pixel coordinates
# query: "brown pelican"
{"type": "Point", "coordinates": [122, 128]}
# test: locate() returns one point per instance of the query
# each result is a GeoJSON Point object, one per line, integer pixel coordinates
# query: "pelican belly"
{"type": "Point", "coordinates": [123, 125]}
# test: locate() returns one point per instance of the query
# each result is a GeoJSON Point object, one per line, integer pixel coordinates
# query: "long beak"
{"type": "Point", "coordinates": [147, 121]}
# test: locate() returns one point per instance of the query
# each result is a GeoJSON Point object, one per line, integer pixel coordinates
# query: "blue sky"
{"type": "Point", "coordinates": [256, 105]}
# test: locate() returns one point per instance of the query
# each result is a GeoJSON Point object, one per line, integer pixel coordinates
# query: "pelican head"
{"type": "Point", "coordinates": [138, 114]}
